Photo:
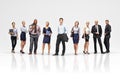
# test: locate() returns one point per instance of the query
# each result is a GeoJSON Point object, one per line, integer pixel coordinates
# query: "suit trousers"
{"type": "Point", "coordinates": [59, 40]}
{"type": "Point", "coordinates": [95, 43]}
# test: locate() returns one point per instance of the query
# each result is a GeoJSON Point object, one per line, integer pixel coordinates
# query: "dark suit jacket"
{"type": "Point", "coordinates": [107, 30]}
{"type": "Point", "coordinates": [94, 30]}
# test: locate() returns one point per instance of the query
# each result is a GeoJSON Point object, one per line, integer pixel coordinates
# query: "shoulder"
{"type": "Point", "coordinates": [93, 26]}
{"type": "Point", "coordinates": [99, 25]}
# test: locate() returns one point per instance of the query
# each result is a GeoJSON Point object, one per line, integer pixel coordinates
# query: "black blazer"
{"type": "Point", "coordinates": [94, 30]}
{"type": "Point", "coordinates": [107, 30]}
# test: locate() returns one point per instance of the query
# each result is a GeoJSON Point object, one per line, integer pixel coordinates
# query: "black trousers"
{"type": "Point", "coordinates": [107, 43]}
{"type": "Point", "coordinates": [13, 41]}
{"type": "Point", "coordinates": [95, 43]}
{"type": "Point", "coordinates": [59, 40]}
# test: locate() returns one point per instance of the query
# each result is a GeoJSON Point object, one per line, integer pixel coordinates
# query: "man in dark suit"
{"type": "Point", "coordinates": [97, 33]}
{"type": "Point", "coordinates": [107, 36]}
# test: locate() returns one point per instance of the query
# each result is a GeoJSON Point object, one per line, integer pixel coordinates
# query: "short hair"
{"type": "Point", "coordinates": [107, 20]}
{"type": "Point", "coordinates": [61, 19]}
{"type": "Point", "coordinates": [13, 23]}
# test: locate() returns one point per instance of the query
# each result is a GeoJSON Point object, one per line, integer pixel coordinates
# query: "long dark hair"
{"type": "Point", "coordinates": [35, 29]}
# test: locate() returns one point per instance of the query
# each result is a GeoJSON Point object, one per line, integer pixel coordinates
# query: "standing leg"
{"type": "Point", "coordinates": [100, 44]}
{"type": "Point", "coordinates": [57, 44]}
{"type": "Point", "coordinates": [87, 47]}
{"type": "Point", "coordinates": [43, 46]}
{"type": "Point", "coordinates": [76, 48]}
{"type": "Point", "coordinates": [48, 48]}
{"type": "Point", "coordinates": [63, 51]}
{"type": "Point", "coordinates": [31, 45]}
{"type": "Point", "coordinates": [14, 42]}
{"type": "Point", "coordinates": [105, 43]}
{"type": "Point", "coordinates": [35, 45]}
{"type": "Point", "coordinates": [95, 45]}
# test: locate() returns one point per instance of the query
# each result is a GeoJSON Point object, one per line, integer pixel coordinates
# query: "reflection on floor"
{"type": "Point", "coordinates": [68, 63]}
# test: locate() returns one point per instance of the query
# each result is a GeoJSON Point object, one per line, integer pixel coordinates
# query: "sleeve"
{"type": "Point", "coordinates": [50, 30]}
{"type": "Point", "coordinates": [65, 28]}
{"type": "Point", "coordinates": [92, 30]}
{"type": "Point", "coordinates": [30, 29]}
{"type": "Point", "coordinates": [72, 30]}
{"type": "Point", "coordinates": [44, 31]}
{"type": "Point", "coordinates": [39, 30]}
{"type": "Point", "coordinates": [100, 31]}
{"type": "Point", "coordinates": [109, 30]}
{"type": "Point", "coordinates": [17, 32]}
{"type": "Point", "coordinates": [79, 31]}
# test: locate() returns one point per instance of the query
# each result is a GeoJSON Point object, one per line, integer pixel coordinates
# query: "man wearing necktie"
{"type": "Point", "coordinates": [34, 31]}
{"type": "Point", "coordinates": [97, 33]}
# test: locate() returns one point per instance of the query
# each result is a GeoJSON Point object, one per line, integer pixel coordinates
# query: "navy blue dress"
{"type": "Point", "coordinates": [76, 38]}
{"type": "Point", "coordinates": [23, 36]}
{"type": "Point", "coordinates": [47, 37]}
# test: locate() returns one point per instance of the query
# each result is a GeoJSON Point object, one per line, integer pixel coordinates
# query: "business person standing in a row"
{"type": "Point", "coordinates": [34, 31]}
{"type": "Point", "coordinates": [97, 33]}
{"type": "Point", "coordinates": [14, 36]}
{"type": "Point", "coordinates": [60, 37]}
{"type": "Point", "coordinates": [75, 34]}
{"type": "Point", "coordinates": [47, 37]}
{"type": "Point", "coordinates": [23, 30]}
{"type": "Point", "coordinates": [107, 36]}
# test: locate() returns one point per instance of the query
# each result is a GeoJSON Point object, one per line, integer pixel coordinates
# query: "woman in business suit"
{"type": "Point", "coordinates": [47, 37]}
{"type": "Point", "coordinates": [75, 35]}
{"type": "Point", "coordinates": [86, 33]}
{"type": "Point", "coordinates": [23, 36]}
{"type": "Point", "coordinates": [14, 36]}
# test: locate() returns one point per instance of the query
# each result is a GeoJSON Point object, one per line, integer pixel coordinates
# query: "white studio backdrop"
{"type": "Point", "coordinates": [11, 66]}
{"type": "Point", "coordinates": [52, 10]}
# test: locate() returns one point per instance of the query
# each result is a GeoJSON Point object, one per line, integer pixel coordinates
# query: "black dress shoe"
{"type": "Point", "coordinates": [62, 54]}
{"type": "Point", "coordinates": [35, 53]}
{"type": "Point", "coordinates": [95, 52]}
{"type": "Point", "coordinates": [107, 52]}
{"type": "Point", "coordinates": [29, 53]}
{"type": "Point", "coordinates": [22, 52]}
{"type": "Point", "coordinates": [84, 52]}
{"type": "Point", "coordinates": [55, 54]}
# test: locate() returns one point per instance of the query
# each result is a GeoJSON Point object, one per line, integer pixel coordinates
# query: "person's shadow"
{"type": "Point", "coordinates": [14, 62]}
{"type": "Point", "coordinates": [102, 62]}
{"type": "Point", "coordinates": [60, 63]}
{"type": "Point", "coordinates": [33, 62]}
{"type": "Point", "coordinates": [46, 62]}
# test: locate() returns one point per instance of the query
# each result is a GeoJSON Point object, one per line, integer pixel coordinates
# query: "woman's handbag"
{"type": "Point", "coordinates": [83, 36]}
{"type": "Point", "coordinates": [72, 33]}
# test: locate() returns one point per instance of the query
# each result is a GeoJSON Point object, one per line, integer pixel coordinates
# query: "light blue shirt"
{"type": "Point", "coordinates": [62, 29]}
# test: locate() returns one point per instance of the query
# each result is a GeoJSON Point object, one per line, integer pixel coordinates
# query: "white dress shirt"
{"type": "Point", "coordinates": [62, 29]}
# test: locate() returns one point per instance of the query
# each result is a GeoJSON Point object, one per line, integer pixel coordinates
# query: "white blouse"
{"type": "Point", "coordinates": [76, 30]}
{"type": "Point", "coordinates": [23, 29]}
{"type": "Point", "coordinates": [15, 32]}
{"type": "Point", "coordinates": [87, 30]}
